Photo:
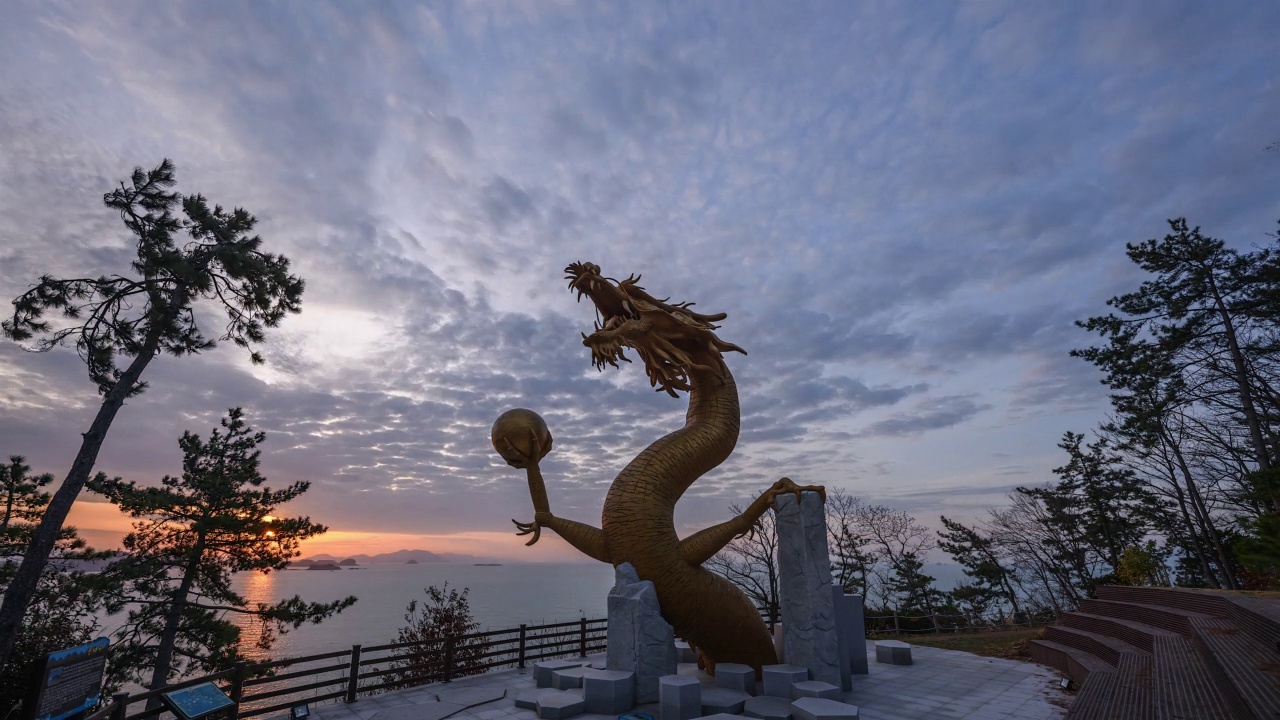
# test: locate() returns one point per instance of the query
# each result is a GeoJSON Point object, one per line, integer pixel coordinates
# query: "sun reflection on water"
{"type": "Point", "coordinates": [256, 588]}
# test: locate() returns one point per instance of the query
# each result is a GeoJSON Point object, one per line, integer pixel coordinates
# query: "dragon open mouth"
{"type": "Point", "coordinates": [672, 340]}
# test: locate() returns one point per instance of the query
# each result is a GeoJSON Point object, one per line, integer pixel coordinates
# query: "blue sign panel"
{"type": "Point", "coordinates": [71, 682]}
{"type": "Point", "coordinates": [197, 701]}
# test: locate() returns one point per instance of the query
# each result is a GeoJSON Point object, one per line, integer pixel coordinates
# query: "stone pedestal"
{"type": "Point", "coordinates": [543, 671]}
{"type": "Point", "coordinates": [736, 676]}
{"type": "Point", "coordinates": [639, 640]}
{"type": "Point", "coordinates": [766, 707]}
{"type": "Point", "coordinates": [684, 653]}
{"type": "Point", "coordinates": [815, 688]}
{"type": "Point", "coordinates": [778, 679]}
{"type": "Point", "coordinates": [608, 692]}
{"type": "Point", "coordinates": [804, 587]}
{"type": "Point", "coordinates": [679, 697]}
{"type": "Point", "coordinates": [822, 709]}
{"type": "Point", "coordinates": [560, 704]}
{"type": "Point", "coordinates": [722, 700]}
{"type": "Point", "coordinates": [893, 652]}
{"type": "Point", "coordinates": [567, 678]}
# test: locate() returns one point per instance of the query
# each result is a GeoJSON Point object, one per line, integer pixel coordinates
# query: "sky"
{"type": "Point", "coordinates": [902, 207]}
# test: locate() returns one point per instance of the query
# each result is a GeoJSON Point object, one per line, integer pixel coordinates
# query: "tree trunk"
{"type": "Point", "coordinates": [1196, 546]}
{"type": "Point", "coordinates": [173, 620]}
{"type": "Point", "coordinates": [1201, 555]}
{"type": "Point", "coordinates": [23, 587]}
{"type": "Point", "coordinates": [1242, 381]}
{"type": "Point", "coordinates": [8, 511]}
{"type": "Point", "coordinates": [1206, 521]}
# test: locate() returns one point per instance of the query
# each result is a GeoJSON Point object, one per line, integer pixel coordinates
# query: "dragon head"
{"type": "Point", "coordinates": [672, 340]}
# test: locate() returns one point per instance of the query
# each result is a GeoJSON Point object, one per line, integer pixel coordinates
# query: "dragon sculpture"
{"type": "Point", "coordinates": [680, 352]}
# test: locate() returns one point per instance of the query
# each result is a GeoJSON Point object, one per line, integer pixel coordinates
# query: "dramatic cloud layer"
{"type": "Point", "coordinates": [902, 211]}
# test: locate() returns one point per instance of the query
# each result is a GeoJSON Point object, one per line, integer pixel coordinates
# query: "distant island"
{"type": "Point", "coordinates": [399, 557]}
{"type": "Point", "coordinates": [323, 566]}
{"type": "Point", "coordinates": [488, 564]}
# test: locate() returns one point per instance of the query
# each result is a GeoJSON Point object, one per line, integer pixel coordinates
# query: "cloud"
{"type": "Point", "coordinates": [902, 211]}
{"type": "Point", "coordinates": [504, 203]}
{"type": "Point", "coordinates": [935, 414]}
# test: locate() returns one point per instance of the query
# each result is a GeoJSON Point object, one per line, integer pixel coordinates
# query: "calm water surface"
{"type": "Point", "coordinates": [501, 597]}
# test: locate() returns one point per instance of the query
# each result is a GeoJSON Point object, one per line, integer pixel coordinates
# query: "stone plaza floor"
{"type": "Point", "coordinates": [941, 685]}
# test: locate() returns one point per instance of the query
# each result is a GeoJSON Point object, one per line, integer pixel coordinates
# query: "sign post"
{"type": "Point", "coordinates": [198, 701]}
{"type": "Point", "coordinates": [68, 682]}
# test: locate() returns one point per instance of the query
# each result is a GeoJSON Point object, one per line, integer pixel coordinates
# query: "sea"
{"type": "Point", "coordinates": [502, 596]}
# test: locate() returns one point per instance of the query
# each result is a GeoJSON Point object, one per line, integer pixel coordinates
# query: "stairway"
{"type": "Point", "coordinates": [1168, 654]}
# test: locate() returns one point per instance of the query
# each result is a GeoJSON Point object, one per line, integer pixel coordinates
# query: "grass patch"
{"type": "Point", "coordinates": [1008, 644]}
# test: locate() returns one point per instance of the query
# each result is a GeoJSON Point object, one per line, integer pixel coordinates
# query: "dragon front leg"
{"type": "Point", "coordinates": [587, 539]}
{"type": "Point", "coordinates": [699, 547]}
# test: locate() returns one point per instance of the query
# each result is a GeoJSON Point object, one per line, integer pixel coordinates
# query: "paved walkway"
{"type": "Point", "coordinates": [940, 685]}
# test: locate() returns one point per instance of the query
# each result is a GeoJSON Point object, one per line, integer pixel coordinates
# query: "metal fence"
{"type": "Point", "coordinates": [898, 624]}
{"type": "Point", "coordinates": [263, 688]}
{"type": "Point", "coordinates": [259, 689]}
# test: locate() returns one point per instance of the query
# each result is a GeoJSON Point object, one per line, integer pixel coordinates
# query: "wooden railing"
{"type": "Point", "coordinates": [264, 688]}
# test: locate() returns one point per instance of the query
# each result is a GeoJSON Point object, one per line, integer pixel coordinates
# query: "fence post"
{"type": "Point", "coordinates": [448, 659]}
{"type": "Point", "coordinates": [582, 638]}
{"type": "Point", "coordinates": [237, 688]}
{"type": "Point", "coordinates": [520, 657]}
{"type": "Point", "coordinates": [353, 674]}
{"type": "Point", "coordinates": [1001, 611]}
{"type": "Point", "coordinates": [119, 705]}
{"type": "Point", "coordinates": [936, 627]}
{"type": "Point", "coordinates": [897, 630]}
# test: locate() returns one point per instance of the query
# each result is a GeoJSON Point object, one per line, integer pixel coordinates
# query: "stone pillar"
{"type": "Point", "coordinates": [804, 586]}
{"type": "Point", "coordinates": [852, 635]}
{"type": "Point", "coordinates": [639, 639]}
{"type": "Point", "coordinates": [858, 639]}
{"type": "Point", "coordinates": [843, 630]}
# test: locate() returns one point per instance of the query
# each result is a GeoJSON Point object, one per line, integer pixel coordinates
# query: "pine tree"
{"type": "Point", "coordinates": [114, 317]}
{"type": "Point", "coordinates": [914, 589]}
{"type": "Point", "coordinates": [66, 600]}
{"type": "Point", "coordinates": [977, 553]}
{"type": "Point", "coordinates": [1113, 509]}
{"type": "Point", "coordinates": [193, 534]}
{"type": "Point", "coordinates": [1201, 311]}
{"type": "Point", "coordinates": [1260, 551]}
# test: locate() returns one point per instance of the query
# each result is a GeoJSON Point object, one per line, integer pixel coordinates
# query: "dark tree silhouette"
{"type": "Point", "coordinates": [132, 319]}
{"type": "Point", "coordinates": [194, 532]}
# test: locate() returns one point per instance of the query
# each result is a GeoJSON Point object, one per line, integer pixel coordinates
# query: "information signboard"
{"type": "Point", "coordinates": [197, 701]}
{"type": "Point", "coordinates": [69, 682]}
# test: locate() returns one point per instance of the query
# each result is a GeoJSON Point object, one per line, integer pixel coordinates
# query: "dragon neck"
{"type": "Point", "coordinates": [710, 430]}
{"type": "Point", "coordinates": [664, 470]}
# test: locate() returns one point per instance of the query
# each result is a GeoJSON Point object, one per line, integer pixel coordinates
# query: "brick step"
{"type": "Point", "coordinates": [1075, 663]}
{"type": "Point", "coordinates": [1246, 670]}
{"type": "Point", "coordinates": [1184, 686]}
{"type": "Point", "coordinates": [1093, 702]}
{"type": "Point", "coordinates": [1194, 600]}
{"type": "Point", "coordinates": [1174, 619]}
{"type": "Point", "coordinates": [1133, 632]}
{"type": "Point", "coordinates": [1108, 648]}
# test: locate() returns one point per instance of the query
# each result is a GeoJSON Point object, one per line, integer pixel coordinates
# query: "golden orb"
{"type": "Point", "coordinates": [513, 436]}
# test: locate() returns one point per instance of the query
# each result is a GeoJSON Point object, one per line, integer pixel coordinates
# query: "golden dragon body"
{"type": "Point", "coordinates": [680, 352]}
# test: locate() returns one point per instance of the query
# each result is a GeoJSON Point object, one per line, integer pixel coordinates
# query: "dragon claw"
{"type": "Point", "coordinates": [526, 528]}
{"type": "Point", "coordinates": [786, 485]}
